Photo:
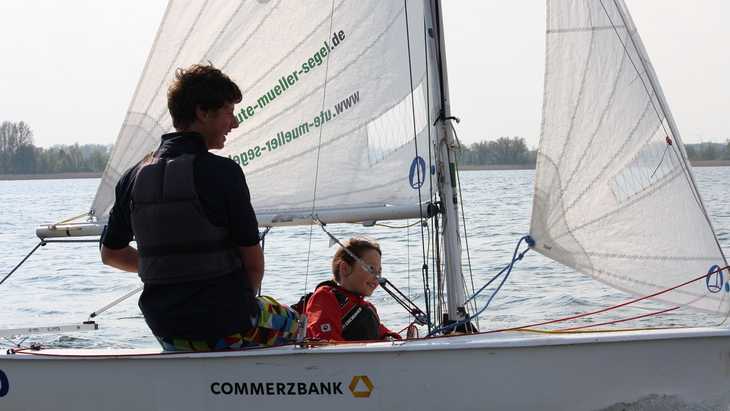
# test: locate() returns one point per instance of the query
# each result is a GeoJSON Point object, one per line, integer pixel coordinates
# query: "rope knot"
{"type": "Point", "coordinates": [529, 240]}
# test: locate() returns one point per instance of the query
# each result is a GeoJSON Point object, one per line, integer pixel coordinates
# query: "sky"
{"type": "Point", "coordinates": [70, 67]}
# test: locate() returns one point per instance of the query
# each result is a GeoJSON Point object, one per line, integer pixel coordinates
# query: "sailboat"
{"type": "Point", "coordinates": [346, 119]}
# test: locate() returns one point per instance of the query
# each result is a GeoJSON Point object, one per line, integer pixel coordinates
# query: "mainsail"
{"type": "Point", "coordinates": [335, 93]}
{"type": "Point", "coordinates": [614, 194]}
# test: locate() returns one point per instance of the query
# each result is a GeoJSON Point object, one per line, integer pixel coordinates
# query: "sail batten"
{"type": "Point", "coordinates": [614, 195]}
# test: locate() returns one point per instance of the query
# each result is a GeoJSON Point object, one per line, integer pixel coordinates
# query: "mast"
{"type": "Point", "coordinates": [446, 181]}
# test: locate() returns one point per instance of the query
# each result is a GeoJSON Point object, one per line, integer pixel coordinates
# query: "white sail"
{"type": "Point", "coordinates": [328, 118]}
{"type": "Point", "coordinates": [613, 198]}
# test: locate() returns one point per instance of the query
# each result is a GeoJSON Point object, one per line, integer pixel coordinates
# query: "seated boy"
{"type": "Point", "coordinates": [337, 309]}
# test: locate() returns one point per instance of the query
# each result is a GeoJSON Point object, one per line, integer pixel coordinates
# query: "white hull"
{"type": "Point", "coordinates": [498, 371]}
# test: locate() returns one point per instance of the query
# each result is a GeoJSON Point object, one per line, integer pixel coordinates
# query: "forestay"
{"type": "Point", "coordinates": [614, 194]}
{"type": "Point", "coordinates": [328, 118]}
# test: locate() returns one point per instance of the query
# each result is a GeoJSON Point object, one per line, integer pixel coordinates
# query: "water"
{"type": "Point", "coordinates": [63, 283]}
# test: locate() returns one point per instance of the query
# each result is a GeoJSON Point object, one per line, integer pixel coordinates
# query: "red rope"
{"type": "Point", "coordinates": [618, 321]}
{"type": "Point", "coordinates": [608, 308]}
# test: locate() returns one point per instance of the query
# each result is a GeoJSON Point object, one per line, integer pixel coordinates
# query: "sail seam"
{"type": "Point", "coordinates": [115, 147]}
{"type": "Point", "coordinates": [670, 177]}
{"type": "Point", "coordinates": [214, 43]}
{"type": "Point", "coordinates": [370, 188]}
{"type": "Point", "coordinates": [158, 118]}
{"type": "Point", "coordinates": [572, 119]}
{"type": "Point", "coordinates": [148, 145]}
{"type": "Point", "coordinates": [255, 30]}
{"type": "Point", "coordinates": [113, 172]}
{"type": "Point", "coordinates": [581, 29]}
{"type": "Point", "coordinates": [651, 257]}
{"type": "Point", "coordinates": [177, 54]}
{"type": "Point", "coordinates": [608, 164]}
{"type": "Point", "coordinates": [359, 206]}
{"type": "Point", "coordinates": [309, 35]}
{"type": "Point", "coordinates": [578, 103]}
{"type": "Point", "coordinates": [659, 287]}
{"type": "Point", "coordinates": [297, 103]}
{"type": "Point", "coordinates": [589, 145]}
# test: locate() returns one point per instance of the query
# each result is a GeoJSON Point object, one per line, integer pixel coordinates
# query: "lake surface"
{"type": "Point", "coordinates": [64, 283]}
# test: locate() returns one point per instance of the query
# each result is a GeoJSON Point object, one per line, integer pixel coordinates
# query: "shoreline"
{"type": "Point", "coordinates": [55, 176]}
{"type": "Point", "coordinates": [497, 167]}
{"type": "Point", "coordinates": [490, 167]}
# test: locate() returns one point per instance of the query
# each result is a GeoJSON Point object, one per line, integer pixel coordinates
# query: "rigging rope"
{"type": "Point", "coordinates": [96, 312]}
{"type": "Point", "coordinates": [613, 307]}
{"type": "Point", "coordinates": [516, 256]}
{"type": "Point", "coordinates": [319, 150]}
{"type": "Point", "coordinates": [653, 313]}
{"type": "Point", "coordinates": [400, 226]}
{"type": "Point", "coordinates": [41, 244]}
{"type": "Point", "coordinates": [367, 267]}
{"type": "Point", "coordinates": [664, 153]}
{"type": "Point", "coordinates": [408, 265]}
{"type": "Point", "coordinates": [463, 220]}
{"type": "Point", "coordinates": [419, 179]}
{"type": "Point", "coordinates": [16, 344]}
{"type": "Point", "coordinates": [438, 300]}
{"type": "Point", "coordinates": [508, 268]}
{"type": "Point", "coordinates": [68, 220]}
{"type": "Point", "coordinates": [431, 168]}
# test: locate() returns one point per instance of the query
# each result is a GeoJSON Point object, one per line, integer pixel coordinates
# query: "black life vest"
{"type": "Point", "coordinates": [176, 240]}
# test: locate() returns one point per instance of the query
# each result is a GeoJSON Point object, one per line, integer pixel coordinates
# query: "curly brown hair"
{"type": "Point", "coordinates": [199, 86]}
{"type": "Point", "coordinates": [355, 245]}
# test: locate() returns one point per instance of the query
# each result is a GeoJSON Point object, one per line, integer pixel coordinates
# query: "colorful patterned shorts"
{"type": "Point", "coordinates": [275, 324]}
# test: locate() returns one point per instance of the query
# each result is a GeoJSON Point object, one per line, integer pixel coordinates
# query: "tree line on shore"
{"type": "Point", "coordinates": [18, 154]}
{"type": "Point", "coordinates": [514, 151]}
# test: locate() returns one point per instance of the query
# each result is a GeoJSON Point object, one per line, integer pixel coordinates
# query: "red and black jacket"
{"type": "Point", "coordinates": [334, 313]}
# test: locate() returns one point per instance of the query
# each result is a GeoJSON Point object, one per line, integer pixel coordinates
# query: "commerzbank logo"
{"type": "Point", "coordinates": [361, 386]}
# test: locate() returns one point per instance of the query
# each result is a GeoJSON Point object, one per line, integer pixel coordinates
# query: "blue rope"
{"type": "Point", "coordinates": [516, 256]}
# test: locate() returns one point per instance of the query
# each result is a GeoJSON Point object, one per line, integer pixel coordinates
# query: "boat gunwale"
{"type": "Point", "coordinates": [497, 341]}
